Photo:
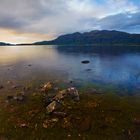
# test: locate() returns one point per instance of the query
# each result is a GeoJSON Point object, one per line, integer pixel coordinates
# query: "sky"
{"type": "Point", "coordinates": [26, 21]}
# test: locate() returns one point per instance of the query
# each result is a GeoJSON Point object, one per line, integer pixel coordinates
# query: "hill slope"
{"type": "Point", "coordinates": [4, 44]}
{"type": "Point", "coordinates": [95, 37]}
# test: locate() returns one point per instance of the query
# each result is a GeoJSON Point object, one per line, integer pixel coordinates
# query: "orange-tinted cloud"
{"type": "Point", "coordinates": [13, 36]}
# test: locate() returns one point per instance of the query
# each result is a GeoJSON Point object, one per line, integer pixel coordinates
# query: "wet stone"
{"type": "Point", "coordinates": [1, 87]}
{"type": "Point", "coordinates": [85, 61]}
{"type": "Point", "coordinates": [9, 99]}
{"type": "Point", "coordinates": [73, 93]}
{"type": "Point", "coordinates": [129, 134]}
{"type": "Point", "coordinates": [61, 114]}
{"type": "Point", "coordinates": [18, 98]}
{"type": "Point", "coordinates": [50, 123]}
{"type": "Point", "coordinates": [88, 70]}
{"type": "Point", "coordinates": [61, 95]}
{"type": "Point", "coordinates": [47, 100]}
{"type": "Point", "coordinates": [52, 106]}
{"type": "Point", "coordinates": [14, 87]}
{"type": "Point", "coordinates": [136, 121]}
{"type": "Point", "coordinates": [48, 86]}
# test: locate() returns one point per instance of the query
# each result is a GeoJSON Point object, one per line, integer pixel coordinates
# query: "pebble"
{"type": "Point", "coordinates": [1, 87]}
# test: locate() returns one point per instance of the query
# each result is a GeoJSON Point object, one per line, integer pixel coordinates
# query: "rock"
{"type": "Point", "coordinates": [18, 98]}
{"type": "Point", "coordinates": [26, 88]}
{"type": "Point", "coordinates": [14, 87]}
{"type": "Point", "coordinates": [1, 87]}
{"type": "Point", "coordinates": [9, 82]}
{"type": "Point", "coordinates": [33, 112]}
{"type": "Point", "coordinates": [52, 106]}
{"type": "Point", "coordinates": [61, 95]}
{"type": "Point", "coordinates": [66, 123]}
{"type": "Point", "coordinates": [69, 135]}
{"type": "Point", "coordinates": [53, 102]}
{"type": "Point", "coordinates": [9, 99]}
{"type": "Point", "coordinates": [54, 120]}
{"type": "Point", "coordinates": [85, 61]}
{"type": "Point", "coordinates": [50, 123]}
{"type": "Point", "coordinates": [88, 70]}
{"type": "Point", "coordinates": [129, 134]}
{"type": "Point", "coordinates": [45, 124]}
{"type": "Point", "coordinates": [47, 100]}
{"type": "Point", "coordinates": [73, 93]}
{"type": "Point", "coordinates": [61, 114]}
{"type": "Point", "coordinates": [136, 121]}
{"type": "Point", "coordinates": [48, 86]}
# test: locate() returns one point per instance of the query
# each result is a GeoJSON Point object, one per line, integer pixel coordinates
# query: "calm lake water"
{"type": "Point", "coordinates": [109, 65]}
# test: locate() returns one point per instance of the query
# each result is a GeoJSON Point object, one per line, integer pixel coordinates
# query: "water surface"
{"type": "Point", "coordinates": [109, 65]}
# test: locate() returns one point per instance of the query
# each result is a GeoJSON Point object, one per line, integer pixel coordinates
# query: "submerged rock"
{"type": "Point", "coordinates": [85, 61]}
{"type": "Point", "coordinates": [14, 87]}
{"type": "Point", "coordinates": [88, 70]}
{"type": "Point", "coordinates": [47, 100]}
{"type": "Point", "coordinates": [136, 121]}
{"type": "Point", "coordinates": [9, 99]}
{"type": "Point", "coordinates": [18, 98]}
{"type": "Point", "coordinates": [52, 106]}
{"type": "Point", "coordinates": [61, 95]}
{"type": "Point", "coordinates": [61, 114]}
{"type": "Point", "coordinates": [73, 93]}
{"type": "Point", "coordinates": [48, 86]}
{"type": "Point", "coordinates": [1, 87]}
{"type": "Point", "coordinates": [129, 134]}
{"type": "Point", "coordinates": [50, 123]}
{"type": "Point", "coordinates": [53, 101]}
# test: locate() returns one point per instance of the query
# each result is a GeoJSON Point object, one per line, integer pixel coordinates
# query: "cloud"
{"type": "Point", "coordinates": [125, 22]}
{"type": "Point", "coordinates": [53, 17]}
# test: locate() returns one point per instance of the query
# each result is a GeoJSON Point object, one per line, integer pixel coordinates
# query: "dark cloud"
{"type": "Point", "coordinates": [11, 22]}
{"type": "Point", "coordinates": [123, 21]}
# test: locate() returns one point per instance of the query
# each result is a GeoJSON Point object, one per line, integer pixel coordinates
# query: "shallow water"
{"type": "Point", "coordinates": [109, 65]}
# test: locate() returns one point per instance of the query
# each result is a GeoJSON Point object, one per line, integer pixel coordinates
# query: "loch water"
{"type": "Point", "coordinates": [118, 66]}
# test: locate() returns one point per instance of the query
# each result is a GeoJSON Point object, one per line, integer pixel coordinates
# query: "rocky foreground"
{"type": "Point", "coordinates": [52, 113]}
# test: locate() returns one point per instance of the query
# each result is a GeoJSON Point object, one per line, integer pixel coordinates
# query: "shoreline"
{"type": "Point", "coordinates": [97, 115]}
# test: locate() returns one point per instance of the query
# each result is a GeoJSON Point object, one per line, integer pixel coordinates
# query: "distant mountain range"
{"type": "Point", "coordinates": [103, 37]}
{"type": "Point", "coordinates": [96, 37]}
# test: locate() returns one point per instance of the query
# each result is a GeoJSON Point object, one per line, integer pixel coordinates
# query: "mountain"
{"type": "Point", "coordinates": [4, 44]}
{"type": "Point", "coordinates": [95, 37]}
